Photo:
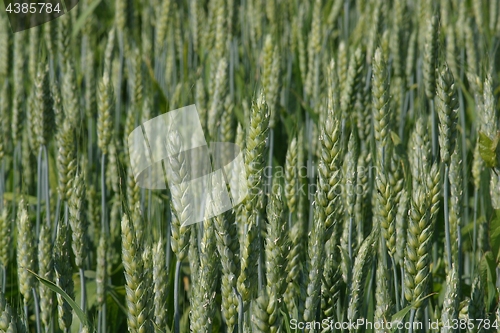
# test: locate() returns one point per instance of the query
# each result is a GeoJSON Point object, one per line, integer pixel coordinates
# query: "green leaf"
{"type": "Point", "coordinates": [81, 20]}
{"type": "Point", "coordinates": [488, 149]}
{"type": "Point", "coordinates": [286, 321]}
{"type": "Point", "coordinates": [469, 227]}
{"type": "Point", "coordinates": [184, 322]}
{"type": "Point", "coordinates": [396, 139]}
{"type": "Point", "coordinates": [495, 235]}
{"type": "Point", "coordinates": [345, 256]}
{"type": "Point", "coordinates": [399, 316]}
{"type": "Point", "coordinates": [118, 295]}
{"type": "Point", "coordinates": [31, 200]}
{"type": "Point", "coordinates": [55, 288]}
{"type": "Point", "coordinates": [487, 271]}
{"type": "Point", "coordinates": [314, 116]}
{"type": "Point", "coordinates": [238, 112]}
{"type": "Point", "coordinates": [114, 319]}
{"type": "Point", "coordinates": [90, 286]}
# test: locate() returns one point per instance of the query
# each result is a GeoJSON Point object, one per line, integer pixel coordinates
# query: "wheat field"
{"type": "Point", "coordinates": [370, 136]}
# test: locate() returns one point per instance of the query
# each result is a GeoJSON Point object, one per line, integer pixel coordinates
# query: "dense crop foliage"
{"type": "Point", "coordinates": [370, 132]}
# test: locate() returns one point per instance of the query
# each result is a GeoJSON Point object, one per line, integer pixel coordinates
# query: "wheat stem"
{"type": "Point", "coordinates": [396, 283]}
{"type": "Point", "coordinates": [240, 310]}
{"type": "Point", "coordinates": [474, 243]}
{"type": "Point", "coordinates": [434, 130]}
{"type": "Point", "coordinates": [26, 316]}
{"type": "Point", "coordinates": [447, 217]}
{"type": "Point", "coordinates": [105, 227]}
{"type": "Point", "coordinates": [176, 296]}
{"type": "Point", "coordinates": [37, 311]}
{"type": "Point", "coordinates": [4, 278]}
{"type": "Point", "coordinates": [412, 319]}
{"type": "Point", "coordinates": [83, 302]}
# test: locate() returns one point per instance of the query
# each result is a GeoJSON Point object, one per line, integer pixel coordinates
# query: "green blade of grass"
{"type": "Point", "coordinates": [52, 286]}
{"type": "Point", "coordinates": [402, 313]}
{"type": "Point", "coordinates": [81, 20]}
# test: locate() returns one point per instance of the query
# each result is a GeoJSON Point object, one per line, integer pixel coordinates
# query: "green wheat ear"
{"type": "Point", "coordinates": [451, 299]}
{"type": "Point", "coordinates": [105, 108]}
{"type": "Point", "coordinates": [43, 112]}
{"type": "Point", "coordinates": [361, 267]}
{"type": "Point", "coordinates": [207, 281]}
{"type": "Point", "coordinates": [26, 252]}
{"type": "Point", "coordinates": [254, 166]}
{"type": "Point", "coordinates": [78, 222]}
{"type": "Point", "coordinates": [276, 244]}
{"type": "Point", "coordinates": [5, 238]}
{"type": "Point", "coordinates": [430, 57]}
{"type": "Point", "coordinates": [488, 151]}
{"type": "Point", "coordinates": [181, 210]}
{"type": "Point", "coordinates": [327, 209]}
{"type": "Point", "coordinates": [447, 109]}
{"type": "Point", "coordinates": [384, 303]}
{"type": "Point", "coordinates": [160, 279]}
{"type": "Point", "coordinates": [136, 295]}
{"type": "Point", "coordinates": [7, 317]}
{"type": "Point", "coordinates": [66, 158]}
{"type": "Point", "coordinates": [63, 276]}
{"type": "Point", "coordinates": [228, 249]}
{"type": "Point", "coordinates": [45, 270]}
